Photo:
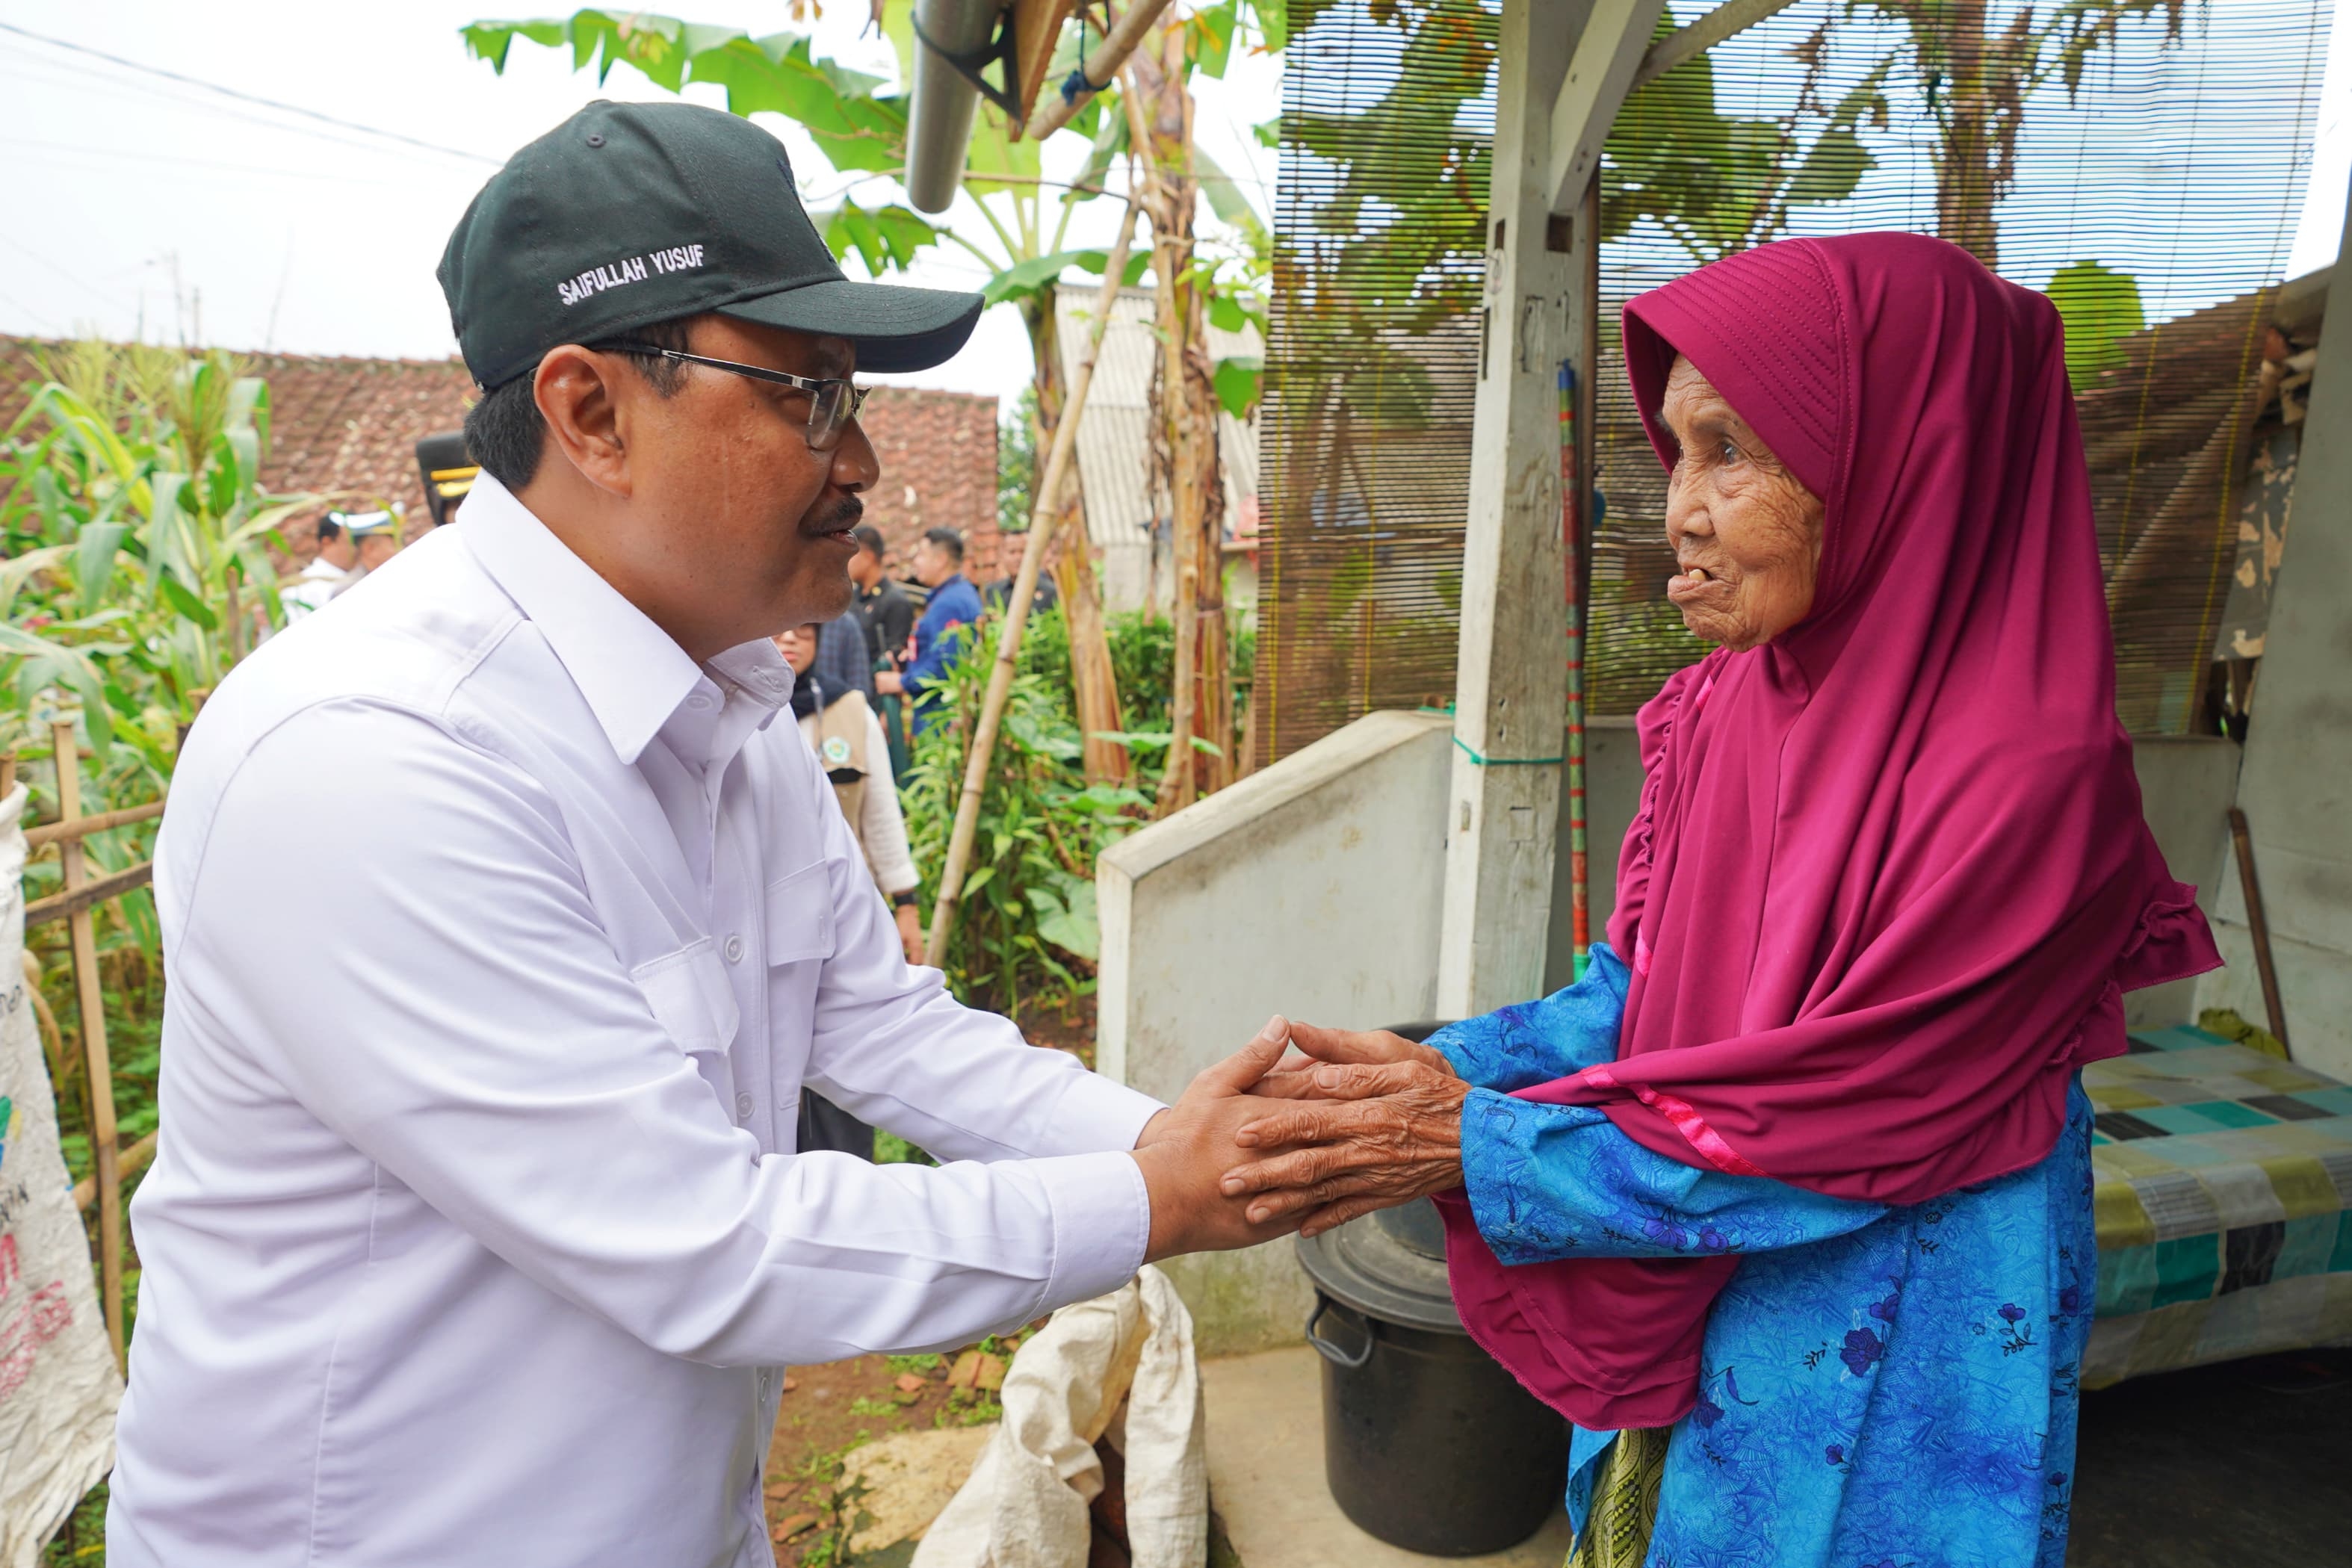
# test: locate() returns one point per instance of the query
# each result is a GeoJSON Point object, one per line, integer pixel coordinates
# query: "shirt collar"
{"type": "Point", "coordinates": [632, 672]}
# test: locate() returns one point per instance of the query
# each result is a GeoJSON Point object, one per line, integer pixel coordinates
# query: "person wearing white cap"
{"type": "Point", "coordinates": [319, 581]}
{"type": "Point", "coordinates": [376, 536]}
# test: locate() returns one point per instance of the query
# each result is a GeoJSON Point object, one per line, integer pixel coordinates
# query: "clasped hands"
{"type": "Point", "coordinates": [1259, 1146]}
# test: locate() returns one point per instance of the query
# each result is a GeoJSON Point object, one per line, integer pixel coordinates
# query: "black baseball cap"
{"type": "Point", "coordinates": [629, 214]}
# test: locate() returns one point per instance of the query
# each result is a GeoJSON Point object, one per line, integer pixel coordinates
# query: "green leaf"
{"type": "Point", "coordinates": [1209, 37]}
{"type": "Point", "coordinates": [1225, 198]}
{"type": "Point", "coordinates": [187, 603]}
{"type": "Point", "coordinates": [1274, 21]}
{"type": "Point", "coordinates": [1038, 273]}
{"type": "Point", "coordinates": [1268, 132]}
{"type": "Point", "coordinates": [1139, 262]}
{"type": "Point", "coordinates": [1073, 927]}
{"type": "Point", "coordinates": [1832, 168]}
{"type": "Point", "coordinates": [2100, 307]}
{"type": "Point", "coordinates": [94, 555]}
{"type": "Point", "coordinates": [884, 237]}
{"type": "Point", "coordinates": [1239, 381]}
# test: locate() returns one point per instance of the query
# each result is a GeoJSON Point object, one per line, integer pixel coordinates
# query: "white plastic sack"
{"type": "Point", "coordinates": [1121, 1365]}
{"type": "Point", "coordinates": [59, 1387]}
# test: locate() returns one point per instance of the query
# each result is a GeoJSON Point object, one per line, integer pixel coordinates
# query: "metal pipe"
{"type": "Point", "coordinates": [939, 122]}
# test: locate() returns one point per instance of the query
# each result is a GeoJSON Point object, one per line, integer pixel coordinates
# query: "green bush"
{"type": "Point", "coordinates": [1025, 932]}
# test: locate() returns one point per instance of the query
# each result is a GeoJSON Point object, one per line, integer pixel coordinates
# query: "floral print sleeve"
{"type": "Point", "coordinates": [1560, 1181]}
{"type": "Point", "coordinates": [1535, 1042]}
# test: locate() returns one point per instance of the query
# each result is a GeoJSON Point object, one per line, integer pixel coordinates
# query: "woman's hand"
{"type": "Point", "coordinates": [1377, 1134]}
{"type": "Point", "coordinates": [1295, 1079]}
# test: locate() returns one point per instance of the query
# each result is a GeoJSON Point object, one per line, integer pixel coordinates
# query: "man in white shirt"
{"type": "Point", "coordinates": [485, 1245]}
{"type": "Point", "coordinates": [316, 582]}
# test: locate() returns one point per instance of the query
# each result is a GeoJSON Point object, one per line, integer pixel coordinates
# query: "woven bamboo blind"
{"type": "Point", "coordinates": [2155, 199]}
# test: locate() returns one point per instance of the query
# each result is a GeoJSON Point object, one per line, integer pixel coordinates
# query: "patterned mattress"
{"type": "Point", "coordinates": [2222, 1178]}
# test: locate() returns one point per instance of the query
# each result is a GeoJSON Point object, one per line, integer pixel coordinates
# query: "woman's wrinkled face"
{"type": "Point", "coordinates": [1747, 536]}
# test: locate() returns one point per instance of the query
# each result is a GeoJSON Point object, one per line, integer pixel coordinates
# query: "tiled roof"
{"type": "Point", "coordinates": [352, 425]}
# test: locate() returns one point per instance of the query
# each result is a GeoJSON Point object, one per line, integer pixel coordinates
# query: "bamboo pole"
{"type": "Point", "coordinates": [1016, 608]}
{"type": "Point", "coordinates": [2258, 924]}
{"type": "Point", "coordinates": [1058, 109]}
{"type": "Point", "coordinates": [89, 894]}
{"type": "Point", "coordinates": [103, 1152]}
{"type": "Point", "coordinates": [132, 1160]}
{"type": "Point", "coordinates": [57, 832]}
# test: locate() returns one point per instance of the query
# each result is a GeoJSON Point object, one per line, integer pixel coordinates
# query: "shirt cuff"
{"type": "Point", "coordinates": [1098, 1113]}
{"type": "Point", "coordinates": [1102, 1224]}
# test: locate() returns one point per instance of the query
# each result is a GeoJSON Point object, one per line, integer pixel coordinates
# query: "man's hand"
{"type": "Point", "coordinates": [887, 683]}
{"type": "Point", "coordinates": [1186, 1150]}
{"type": "Point", "coordinates": [910, 931]}
{"type": "Point", "coordinates": [1375, 1134]}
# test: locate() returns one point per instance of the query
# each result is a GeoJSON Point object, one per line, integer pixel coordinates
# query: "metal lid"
{"type": "Point", "coordinates": [1389, 1265]}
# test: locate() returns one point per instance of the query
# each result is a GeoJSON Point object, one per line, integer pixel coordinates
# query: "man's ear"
{"type": "Point", "coordinates": [579, 392]}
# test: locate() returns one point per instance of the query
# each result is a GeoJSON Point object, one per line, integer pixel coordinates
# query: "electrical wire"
{"type": "Point", "coordinates": [244, 96]}
{"type": "Point", "coordinates": [138, 155]}
{"type": "Point", "coordinates": [26, 66]}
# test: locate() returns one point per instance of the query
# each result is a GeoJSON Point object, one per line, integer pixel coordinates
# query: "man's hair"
{"type": "Point", "coordinates": [505, 430]}
{"type": "Point", "coordinates": [869, 539]}
{"type": "Point", "coordinates": [329, 530]}
{"type": "Point", "coordinates": [947, 540]}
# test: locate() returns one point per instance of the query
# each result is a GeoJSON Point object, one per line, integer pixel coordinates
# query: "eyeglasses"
{"type": "Point", "coordinates": [833, 401]}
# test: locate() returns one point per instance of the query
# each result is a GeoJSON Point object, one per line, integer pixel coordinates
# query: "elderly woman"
{"type": "Point", "coordinates": [1787, 1204]}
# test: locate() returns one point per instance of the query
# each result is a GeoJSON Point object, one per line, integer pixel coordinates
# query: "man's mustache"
{"type": "Point", "coordinates": [835, 516]}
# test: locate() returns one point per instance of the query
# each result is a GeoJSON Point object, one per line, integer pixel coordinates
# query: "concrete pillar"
{"type": "Point", "coordinates": [2295, 786]}
{"type": "Point", "coordinates": [1511, 684]}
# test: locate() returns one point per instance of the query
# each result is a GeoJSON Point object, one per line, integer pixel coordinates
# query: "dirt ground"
{"type": "Point", "coordinates": [833, 1408]}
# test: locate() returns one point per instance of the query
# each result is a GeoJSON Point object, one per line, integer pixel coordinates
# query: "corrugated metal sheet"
{"type": "Point", "coordinates": [1114, 440]}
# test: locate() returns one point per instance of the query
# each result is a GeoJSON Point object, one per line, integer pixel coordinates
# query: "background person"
{"type": "Point", "coordinates": [376, 539]}
{"type": "Point", "coordinates": [889, 619]}
{"type": "Point", "coordinates": [846, 738]}
{"type": "Point", "coordinates": [1787, 1205]}
{"type": "Point", "coordinates": [319, 578]}
{"type": "Point", "coordinates": [842, 731]}
{"type": "Point", "coordinates": [999, 591]}
{"type": "Point", "coordinates": [948, 618]}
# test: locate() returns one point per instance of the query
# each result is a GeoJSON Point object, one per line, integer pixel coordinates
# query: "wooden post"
{"type": "Point", "coordinates": [1511, 683]}
{"type": "Point", "coordinates": [83, 927]}
{"type": "Point", "coordinates": [1016, 608]}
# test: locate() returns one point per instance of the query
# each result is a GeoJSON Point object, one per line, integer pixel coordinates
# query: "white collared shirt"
{"type": "Point", "coordinates": [481, 1242]}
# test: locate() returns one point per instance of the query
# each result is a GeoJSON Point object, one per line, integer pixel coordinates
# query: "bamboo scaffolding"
{"type": "Point", "coordinates": [1016, 608]}
{"type": "Point", "coordinates": [102, 1133]}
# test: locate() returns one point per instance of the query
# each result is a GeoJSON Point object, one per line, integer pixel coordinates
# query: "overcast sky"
{"type": "Point", "coordinates": [141, 206]}
{"type": "Point", "coordinates": [137, 203]}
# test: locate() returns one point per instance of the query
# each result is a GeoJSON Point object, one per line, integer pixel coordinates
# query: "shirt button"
{"type": "Point", "coordinates": [743, 1107]}
{"type": "Point", "coordinates": [698, 703]}
{"type": "Point", "coordinates": [734, 949]}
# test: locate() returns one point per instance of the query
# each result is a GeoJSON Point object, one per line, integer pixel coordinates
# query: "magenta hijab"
{"type": "Point", "coordinates": [1889, 878]}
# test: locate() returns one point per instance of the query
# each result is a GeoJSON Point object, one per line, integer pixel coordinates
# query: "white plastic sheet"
{"type": "Point", "coordinates": [1121, 1365]}
{"type": "Point", "coordinates": [59, 1387]}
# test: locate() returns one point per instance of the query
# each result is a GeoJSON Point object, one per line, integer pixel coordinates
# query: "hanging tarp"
{"type": "Point", "coordinates": [59, 1387]}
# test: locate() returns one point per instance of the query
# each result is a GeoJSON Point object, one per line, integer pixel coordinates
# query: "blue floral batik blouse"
{"type": "Point", "coordinates": [1884, 1388]}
